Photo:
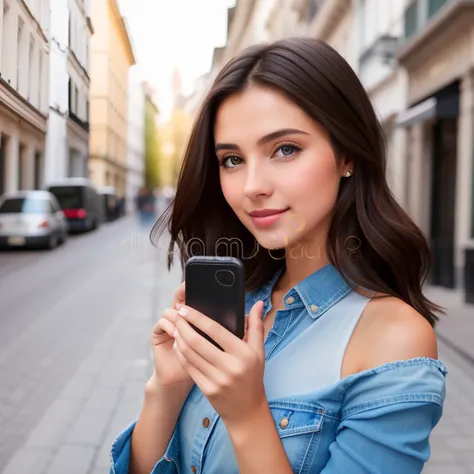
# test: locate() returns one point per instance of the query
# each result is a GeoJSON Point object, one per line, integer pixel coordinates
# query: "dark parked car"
{"type": "Point", "coordinates": [111, 202]}
{"type": "Point", "coordinates": [80, 201]}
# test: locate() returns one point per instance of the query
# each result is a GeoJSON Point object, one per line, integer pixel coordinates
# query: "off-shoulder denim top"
{"type": "Point", "coordinates": [376, 421]}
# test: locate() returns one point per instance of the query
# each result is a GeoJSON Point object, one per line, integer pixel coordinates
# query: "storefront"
{"type": "Point", "coordinates": [440, 140]}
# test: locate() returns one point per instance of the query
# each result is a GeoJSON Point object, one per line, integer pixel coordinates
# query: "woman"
{"type": "Point", "coordinates": [338, 370]}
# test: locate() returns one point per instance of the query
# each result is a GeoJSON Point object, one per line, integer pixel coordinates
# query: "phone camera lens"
{"type": "Point", "coordinates": [225, 277]}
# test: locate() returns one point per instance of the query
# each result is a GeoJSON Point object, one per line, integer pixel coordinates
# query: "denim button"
{"type": "Point", "coordinates": [206, 422]}
{"type": "Point", "coordinates": [290, 300]}
{"type": "Point", "coordinates": [284, 423]}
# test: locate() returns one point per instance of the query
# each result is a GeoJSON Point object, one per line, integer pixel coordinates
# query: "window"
{"type": "Point", "coordinates": [76, 100]}
{"type": "Point", "coordinates": [472, 185]}
{"type": "Point", "coordinates": [19, 52]}
{"type": "Point", "coordinates": [31, 72]}
{"type": "Point", "coordinates": [5, 30]}
{"type": "Point", "coordinates": [411, 19]}
{"type": "Point", "coordinates": [434, 6]}
{"type": "Point", "coordinates": [69, 106]}
{"type": "Point", "coordinates": [70, 32]}
{"type": "Point", "coordinates": [40, 75]}
{"type": "Point", "coordinates": [87, 54]}
{"type": "Point", "coordinates": [24, 205]}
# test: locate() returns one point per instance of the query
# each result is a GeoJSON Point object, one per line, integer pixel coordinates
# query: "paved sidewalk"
{"type": "Point", "coordinates": [452, 440]}
{"type": "Point", "coordinates": [105, 394]}
{"type": "Point", "coordinates": [456, 328]}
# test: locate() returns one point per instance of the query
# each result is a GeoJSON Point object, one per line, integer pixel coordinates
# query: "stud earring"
{"type": "Point", "coordinates": [348, 174]}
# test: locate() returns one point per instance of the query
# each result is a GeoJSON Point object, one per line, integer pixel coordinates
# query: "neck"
{"type": "Point", "coordinates": [303, 259]}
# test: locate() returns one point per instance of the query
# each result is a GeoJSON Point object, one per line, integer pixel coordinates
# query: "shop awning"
{"type": "Point", "coordinates": [444, 104]}
{"type": "Point", "coordinates": [418, 113]}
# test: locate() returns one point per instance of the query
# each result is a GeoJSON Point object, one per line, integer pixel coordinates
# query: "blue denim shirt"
{"type": "Point", "coordinates": [376, 421]}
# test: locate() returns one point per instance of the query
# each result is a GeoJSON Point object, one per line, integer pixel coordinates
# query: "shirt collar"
{"type": "Point", "coordinates": [317, 293]}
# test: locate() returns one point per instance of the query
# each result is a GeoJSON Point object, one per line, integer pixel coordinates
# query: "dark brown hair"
{"type": "Point", "coordinates": [372, 241]}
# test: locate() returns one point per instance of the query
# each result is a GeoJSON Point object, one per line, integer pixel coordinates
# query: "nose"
{"type": "Point", "coordinates": [258, 182]}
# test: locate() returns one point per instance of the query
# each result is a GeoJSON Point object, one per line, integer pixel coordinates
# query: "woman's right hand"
{"type": "Point", "coordinates": [168, 373]}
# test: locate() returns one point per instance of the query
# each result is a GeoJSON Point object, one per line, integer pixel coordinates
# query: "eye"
{"type": "Point", "coordinates": [231, 161]}
{"type": "Point", "coordinates": [287, 149]}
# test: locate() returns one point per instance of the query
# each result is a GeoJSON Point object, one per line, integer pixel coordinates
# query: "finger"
{"type": "Point", "coordinates": [255, 330]}
{"type": "Point", "coordinates": [195, 358]}
{"type": "Point", "coordinates": [171, 315]}
{"type": "Point", "coordinates": [213, 329]}
{"type": "Point", "coordinates": [200, 345]}
{"type": "Point", "coordinates": [164, 326]}
{"type": "Point", "coordinates": [198, 377]}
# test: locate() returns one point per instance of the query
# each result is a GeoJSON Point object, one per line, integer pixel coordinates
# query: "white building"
{"type": "Point", "coordinates": [24, 58]}
{"type": "Point", "coordinates": [136, 137]}
{"type": "Point", "coordinates": [68, 125]}
{"type": "Point", "coordinates": [378, 31]}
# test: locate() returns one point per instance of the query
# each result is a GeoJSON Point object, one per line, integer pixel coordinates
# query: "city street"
{"type": "Point", "coordinates": [75, 353]}
{"type": "Point", "coordinates": [74, 336]}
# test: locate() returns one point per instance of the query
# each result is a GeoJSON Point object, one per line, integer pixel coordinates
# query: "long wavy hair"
{"type": "Point", "coordinates": [372, 242]}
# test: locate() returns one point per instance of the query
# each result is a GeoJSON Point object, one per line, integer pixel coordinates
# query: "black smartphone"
{"type": "Point", "coordinates": [215, 286]}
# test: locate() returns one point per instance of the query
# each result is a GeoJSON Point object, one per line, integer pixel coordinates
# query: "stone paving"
{"type": "Point", "coordinates": [105, 394]}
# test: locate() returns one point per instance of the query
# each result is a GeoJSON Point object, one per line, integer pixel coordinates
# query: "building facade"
{"type": "Point", "coordinates": [136, 137]}
{"type": "Point", "coordinates": [78, 70]}
{"type": "Point", "coordinates": [415, 59]}
{"type": "Point", "coordinates": [378, 29]}
{"type": "Point", "coordinates": [111, 57]}
{"type": "Point", "coordinates": [437, 55]}
{"type": "Point", "coordinates": [24, 59]}
{"type": "Point", "coordinates": [67, 142]}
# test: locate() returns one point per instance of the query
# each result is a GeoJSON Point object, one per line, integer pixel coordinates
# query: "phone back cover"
{"type": "Point", "coordinates": [224, 304]}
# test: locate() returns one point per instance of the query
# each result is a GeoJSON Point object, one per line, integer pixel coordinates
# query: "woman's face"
{"type": "Point", "coordinates": [278, 171]}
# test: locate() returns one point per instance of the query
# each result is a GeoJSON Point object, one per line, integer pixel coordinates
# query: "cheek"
{"type": "Point", "coordinates": [314, 185]}
{"type": "Point", "coordinates": [315, 175]}
{"type": "Point", "coordinates": [231, 190]}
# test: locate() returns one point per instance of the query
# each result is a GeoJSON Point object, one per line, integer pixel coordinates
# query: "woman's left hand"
{"type": "Point", "coordinates": [232, 378]}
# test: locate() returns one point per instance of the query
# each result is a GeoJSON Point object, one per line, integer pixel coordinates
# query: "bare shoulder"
{"type": "Point", "coordinates": [391, 330]}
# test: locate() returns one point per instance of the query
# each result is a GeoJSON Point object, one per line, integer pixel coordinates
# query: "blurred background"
{"type": "Point", "coordinates": [97, 98]}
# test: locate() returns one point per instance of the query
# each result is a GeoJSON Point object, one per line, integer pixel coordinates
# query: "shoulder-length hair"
{"type": "Point", "coordinates": [372, 242]}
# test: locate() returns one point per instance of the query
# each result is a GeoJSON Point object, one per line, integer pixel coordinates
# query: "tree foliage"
{"type": "Point", "coordinates": [152, 147]}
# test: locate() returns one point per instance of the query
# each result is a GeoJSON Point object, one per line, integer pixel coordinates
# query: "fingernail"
{"type": "Point", "coordinates": [175, 333]}
{"type": "Point", "coordinates": [177, 306]}
{"type": "Point", "coordinates": [183, 311]}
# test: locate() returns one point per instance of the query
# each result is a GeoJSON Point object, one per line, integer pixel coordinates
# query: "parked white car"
{"type": "Point", "coordinates": [31, 218]}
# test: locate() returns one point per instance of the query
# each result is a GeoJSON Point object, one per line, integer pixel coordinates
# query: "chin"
{"type": "Point", "coordinates": [273, 240]}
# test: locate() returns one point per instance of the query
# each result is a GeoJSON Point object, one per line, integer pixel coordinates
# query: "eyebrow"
{"type": "Point", "coordinates": [264, 140]}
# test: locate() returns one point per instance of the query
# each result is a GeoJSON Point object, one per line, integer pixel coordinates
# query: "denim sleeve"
{"type": "Point", "coordinates": [120, 454]}
{"type": "Point", "coordinates": [387, 419]}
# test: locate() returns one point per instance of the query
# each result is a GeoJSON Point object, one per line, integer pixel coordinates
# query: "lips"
{"type": "Point", "coordinates": [266, 217]}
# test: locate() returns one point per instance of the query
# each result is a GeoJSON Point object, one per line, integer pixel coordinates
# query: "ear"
{"type": "Point", "coordinates": [346, 165]}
